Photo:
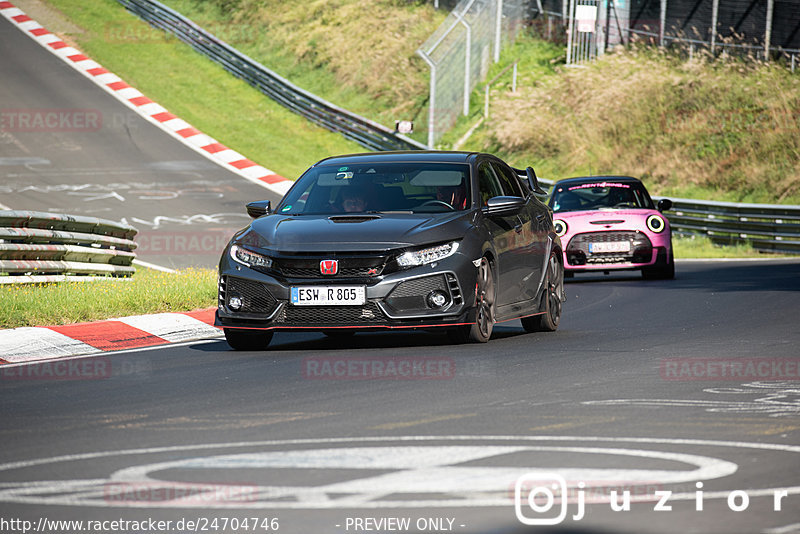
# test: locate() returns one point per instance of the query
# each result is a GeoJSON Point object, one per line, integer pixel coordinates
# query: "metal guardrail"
{"type": "Point", "coordinates": [767, 227]}
{"type": "Point", "coordinates": [365, 132]}
{"type": "Point", "coordinates": [35, 245]}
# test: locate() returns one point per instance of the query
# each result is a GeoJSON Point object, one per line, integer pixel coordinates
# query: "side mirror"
{"type": "Point", "coordinates": [664, 204]}
{"type": "Point", "coordinates": [258, 208]}
{"type": "Point", "coordinates": [534, 182]}
{"type": "Point", "coordinates": [503, 206]}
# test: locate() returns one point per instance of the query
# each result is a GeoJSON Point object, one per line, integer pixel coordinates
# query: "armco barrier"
{"type": "Point", "coordinates": [767, 227]}
{"type": "Point", "coordinates": [365, 132]}
{"type": "Point", "coordinates": [35, 245]}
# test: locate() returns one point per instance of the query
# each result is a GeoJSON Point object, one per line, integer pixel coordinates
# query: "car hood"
{"type": "Point", "coordinates": [383, 231]}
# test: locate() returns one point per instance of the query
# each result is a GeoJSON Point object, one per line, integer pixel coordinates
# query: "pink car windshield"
{"type": "Point", "coordinates": [601, 194]}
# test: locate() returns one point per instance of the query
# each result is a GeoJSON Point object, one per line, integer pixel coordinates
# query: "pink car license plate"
{"type": "Point", "coordinates": [614, 246]}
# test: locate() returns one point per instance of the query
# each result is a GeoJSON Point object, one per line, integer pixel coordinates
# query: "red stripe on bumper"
{"type": "Point", "coordinates": [109, 335]}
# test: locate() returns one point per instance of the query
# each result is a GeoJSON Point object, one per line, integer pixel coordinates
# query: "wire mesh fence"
{"type": "Point", "coordinates": [766, 29]}
{"type": "Point", "coordinates": [459, 54]}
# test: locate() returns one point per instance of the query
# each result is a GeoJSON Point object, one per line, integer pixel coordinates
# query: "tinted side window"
{"type": "Point", "coordinates": [508, 180]}
{"type": "Point", "coordinates": [488, 185]}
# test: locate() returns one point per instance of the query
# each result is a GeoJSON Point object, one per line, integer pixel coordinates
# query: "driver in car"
{"type": "Point", "coordinates": [353, 201]}
{"type": "Point", "coordinates": [452, 195]}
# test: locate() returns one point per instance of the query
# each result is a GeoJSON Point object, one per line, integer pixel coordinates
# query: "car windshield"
{"type": "Point", "coordinates": [600, 195]}
{"type": "Point", "coordinates": [379, 187]}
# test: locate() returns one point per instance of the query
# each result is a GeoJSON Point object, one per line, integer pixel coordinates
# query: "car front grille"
{"type": "Point", "coordinates": [330, 315]}
{"type": "Point", "coordinates": [348, 267]}
{"type": "Point", "coordinates": [578, 248]}
{"type": "Point", "coordinates": [256, 298]}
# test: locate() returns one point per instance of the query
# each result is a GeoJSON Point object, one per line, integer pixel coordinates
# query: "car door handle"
{"type": "Point", "coordinates": [518, 228]}
{"type": "Point", "coordinates": [541, 217]}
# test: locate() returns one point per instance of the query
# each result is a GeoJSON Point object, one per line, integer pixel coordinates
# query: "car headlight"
{"type": "Point", "coordinates": [560, 227]}
{"type": "Point", "coordinates": [656, 224]}
{"type": "Point", "coordinates": [426, 255]}
{"type": "Point", "coordinates": [249, 258]}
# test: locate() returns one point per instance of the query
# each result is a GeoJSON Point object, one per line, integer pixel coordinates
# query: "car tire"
{"type": "Point", "coordinates": [662, 271]}
{"type": "Point", "coordinates": [485, 295]}
{"type": "Point", "coordinates": [551, 300]}
{"type": "Point", "coordinates": [240, 339]}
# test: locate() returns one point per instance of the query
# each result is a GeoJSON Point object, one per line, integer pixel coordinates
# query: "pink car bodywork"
{"type": "Point", "coordinates": [608, 238]}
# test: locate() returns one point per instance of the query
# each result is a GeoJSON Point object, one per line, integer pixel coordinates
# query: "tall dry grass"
{"type": "Point", "coordinates": [727, 130]}
{"type": "Point", "coordinates": [369, 45]}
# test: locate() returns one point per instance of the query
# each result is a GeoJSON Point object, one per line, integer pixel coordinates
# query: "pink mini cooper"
{"type": "Point", "coordinates": [610, 223]}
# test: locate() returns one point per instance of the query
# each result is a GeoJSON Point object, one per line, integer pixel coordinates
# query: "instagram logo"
{"type": "Point", "coordinates": [535, 497]}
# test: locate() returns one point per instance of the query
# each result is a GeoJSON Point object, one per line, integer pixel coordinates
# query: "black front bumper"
{"type": "Point", "coordinates": [394, 301]}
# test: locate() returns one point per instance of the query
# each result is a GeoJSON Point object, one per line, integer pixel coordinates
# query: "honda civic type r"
{"type": "Point", "coordinates": [392, 240]}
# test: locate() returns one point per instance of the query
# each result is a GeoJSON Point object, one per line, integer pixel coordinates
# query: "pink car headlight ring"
{"type": "Point", "coordinates": [656, 224]}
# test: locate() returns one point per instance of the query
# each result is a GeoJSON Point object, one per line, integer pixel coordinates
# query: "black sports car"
{"type": "Point", "coordinates": [395, 240]}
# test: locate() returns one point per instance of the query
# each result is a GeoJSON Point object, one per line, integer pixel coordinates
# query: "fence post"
{"type": "Point", "coordinates": [498, 29]}
{"type": "Point", "coordinates": [514, 79]}
{"type": "Point", "coordinates": [768, 30]}
{"type": "Point", "coordinates": [714, 18]}
{"type": "Point", "coordinates": [431, 99]}
{"type": "Point", "coordinates": [569, 31]}
{"type": "Point", "coordinates": [662, 23]}
{"type": "Point", "coordinates": [467, 60]}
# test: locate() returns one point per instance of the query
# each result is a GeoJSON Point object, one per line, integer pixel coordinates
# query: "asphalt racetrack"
{"type": "Point", "coordinates": [647, 387]}
{"type": "Point", "coordinates": [99, 158]}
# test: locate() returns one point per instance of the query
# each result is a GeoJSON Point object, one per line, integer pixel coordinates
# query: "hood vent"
{"type": "Point", "coordinates": [353, 218]}
{"type": "Point", "coordinates": [614, 221]}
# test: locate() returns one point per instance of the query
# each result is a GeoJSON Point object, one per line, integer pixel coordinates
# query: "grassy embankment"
{"type": "Point", "coordinates": [727, 130]}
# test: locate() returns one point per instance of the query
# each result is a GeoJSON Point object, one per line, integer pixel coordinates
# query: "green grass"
{"type": "Point", "coordinates": [726, 130]}
{"type": "Point", "coordinates": [199, 91]}
{"type": "Point", "coordinates": [147, 291]}
{"type": "Point", "coordinates": [702, 247]}
{"type": "Point", "coordinates": [358, 55]}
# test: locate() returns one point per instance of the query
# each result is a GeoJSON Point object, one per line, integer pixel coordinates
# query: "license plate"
{"type": "Point", "coordinates": [613, 246]}
{"type": "Point", "coordinates": [328, 295]}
